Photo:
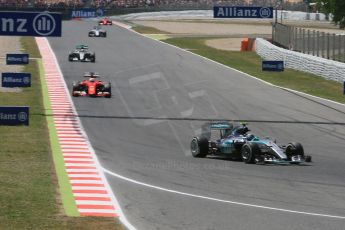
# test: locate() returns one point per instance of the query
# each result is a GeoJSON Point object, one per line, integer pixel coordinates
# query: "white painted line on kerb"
{"type": "Point", "coordinates": [93, 202]}
{"type": "Point", "coordinates": [88, 188]}
{"type": "Point", "coordinates": [77, 155]}
{"type": "Point", "coordinates": [90, 195]}
{"type": "Point", "coordinates": [78, 151]}
{"type": "Point", "coordinates": [81, 170]}
{"type": "Point", "coordinates": [97, 210]}
{"type": "Point", "coordinates": [85, 181]}
{"type": "Point", "coordinates": [218, 200]}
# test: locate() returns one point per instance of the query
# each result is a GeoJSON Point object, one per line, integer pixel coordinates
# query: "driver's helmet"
{"type": "Point", "coordinates": [92, 79]}
{"type": "Point", "coordinates": [241, 130]}
{"type": "Point", "coordinates": [250, 136]}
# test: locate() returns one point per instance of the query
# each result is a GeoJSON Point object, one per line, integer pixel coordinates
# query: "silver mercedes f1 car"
{"type": "Point", "coordinates": [81, 53]}
{"type": "Point", "coordinates": [225, 139]}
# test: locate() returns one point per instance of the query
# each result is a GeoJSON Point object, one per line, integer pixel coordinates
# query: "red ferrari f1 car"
{"type": "Point", "coordinates": [91, 87]}
{"type": "Point", "coordinates": [105, 22]}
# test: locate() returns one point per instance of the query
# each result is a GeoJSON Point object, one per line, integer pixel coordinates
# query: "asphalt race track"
{"type": "Point", "coordinates": [160, 96]}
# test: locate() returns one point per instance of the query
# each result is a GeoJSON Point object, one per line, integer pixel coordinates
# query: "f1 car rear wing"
{"type": "Point", "coordinates": [79, 47]}
{"type": "Point", "coordinates": [221, 125]}
{"type": "Point", "coordinates": [91, 74]}
{"type": "Point", "coordinates": [216, 129]}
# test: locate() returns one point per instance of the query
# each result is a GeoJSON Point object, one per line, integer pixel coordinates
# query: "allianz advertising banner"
{"type": "Point", "coordinates": [17, 59]}
{"type": "Point", "coordinates": [273, 66]}
{"type": "Point", "coordinates": [87, 13]}
{"type": "Point", "coordinates": [40, 24]}
{"type": "Point", "coordinates": [242, 12]}
{"type": "Point", "coordinates": [14, 115]}
{"type": "Point", "coordinates": [16, 80]}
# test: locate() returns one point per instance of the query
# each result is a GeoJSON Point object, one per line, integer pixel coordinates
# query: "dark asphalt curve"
{"type": "Point", "coordinates": [160, 96]}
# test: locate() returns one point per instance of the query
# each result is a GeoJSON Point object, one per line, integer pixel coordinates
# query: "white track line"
{"type": "Point", "coordinates": [218, 200]}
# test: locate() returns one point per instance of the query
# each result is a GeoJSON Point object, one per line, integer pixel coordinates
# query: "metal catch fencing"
{"type": "Point", "coordinates": [318, 43]}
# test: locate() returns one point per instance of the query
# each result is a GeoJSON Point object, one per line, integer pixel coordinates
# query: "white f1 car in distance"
{"type": "Point", "coordinates": [97, 31]}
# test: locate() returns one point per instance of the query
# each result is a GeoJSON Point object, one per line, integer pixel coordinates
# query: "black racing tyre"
{"type": "Point", "coordinates": [249, 151]}
{"type": "Point", "coordinates": [70, 58]}
{"type": "Point", "coordinates": [107, 88]}
{"type": "Point", "coordinates": [199, 147]}
{"type": "Point", "coordinates": [75, 87]}
{"type": "Point", "coordinates": [93, 59]}
{"type": "Point", "coordinates": [293, 149]}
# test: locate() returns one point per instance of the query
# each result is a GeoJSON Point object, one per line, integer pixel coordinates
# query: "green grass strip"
{"type": "Point", "coordinates": [64, 185]}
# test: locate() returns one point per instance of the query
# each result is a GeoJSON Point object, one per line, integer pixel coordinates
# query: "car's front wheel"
{"type": "Point", "coordinates": [107, 88]}
{"type": "Point", "coordinates": [293, 149]}
{"type": "Point", "coordinates": [249, 152]}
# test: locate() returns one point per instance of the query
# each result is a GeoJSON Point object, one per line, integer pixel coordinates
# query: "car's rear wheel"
{"type": "Point", "coordinates": [199, 147]}
{"type": "Point", "coordinates": [75, 87]}
{"type": "Point", "coordinates": [249, 152]}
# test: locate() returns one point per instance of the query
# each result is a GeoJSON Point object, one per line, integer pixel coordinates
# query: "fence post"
{"type": "Point", "coordinates": [339, 48]}
{"type": "Point", "coordinates": [328, 45]}
{"type": "Point", "coordinates": [296, 41]}
{"type": "Point", "coordinates": [313, 47]}
{"type": "Point", "coordinates": [273, 32]}
{"type": "Point", "coordinates": [308, 41]}
{"type": "Point", "coordinates": [289, 38]}
{"type": "Point", "coordinates": [334, 47]}
{"type": "Point", "coordinates": [303, 38]}
{"type": "Point", "coordinates": [343, 47]}
{"type": "Point", "coordinates": [323, 38]}
{"type": "Point", "coordinates": [299, 40]}
{"type": "Point", "coordinates": [318, 43]}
